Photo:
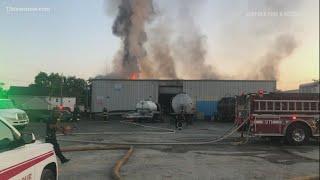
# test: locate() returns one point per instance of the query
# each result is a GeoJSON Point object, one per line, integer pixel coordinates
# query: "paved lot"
{"type": "Point", "coordinates": [258, 159]}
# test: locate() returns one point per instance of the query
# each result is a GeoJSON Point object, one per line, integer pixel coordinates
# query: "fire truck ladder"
{"type": "Point", "coordinates": [307, 106]}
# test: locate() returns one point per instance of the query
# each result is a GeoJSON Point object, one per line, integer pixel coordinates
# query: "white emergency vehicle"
{"type": "Point", "coordinates": [17, 117]}
{"type": "Point", "coordinates": [22, 158]}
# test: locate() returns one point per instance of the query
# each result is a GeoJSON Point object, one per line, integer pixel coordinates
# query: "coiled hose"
{"type": "Point", "coordinates": [119, 163]}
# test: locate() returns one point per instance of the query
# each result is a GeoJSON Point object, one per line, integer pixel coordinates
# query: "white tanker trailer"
{"type": "Point", "coordinates": [182, 102]}
{"type": "Point", "coordinates": [146, 110]}
{"type": "Point", "coordinates": [183, 109]}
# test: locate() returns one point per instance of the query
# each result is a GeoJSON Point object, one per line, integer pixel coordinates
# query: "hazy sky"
{"type": "Point", "coordinates": [74, 37]}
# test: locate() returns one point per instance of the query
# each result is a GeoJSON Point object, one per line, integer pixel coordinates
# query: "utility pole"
{"type": "Point", "coordinates": [61, 86]}
{"type": "Point", "coordinates": [87, 94]}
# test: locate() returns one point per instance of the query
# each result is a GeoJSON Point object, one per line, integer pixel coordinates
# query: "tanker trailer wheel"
{"type": "Point", "coordinates": [297, 134]}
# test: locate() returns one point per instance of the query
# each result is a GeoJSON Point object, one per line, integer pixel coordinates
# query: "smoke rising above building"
{"type": "Point", "coordinates": [268, 67]}
{"type": "Point", "coordinates": [279, 30]}
{"type": "Point", "coordinates": [159, 63]}
{"type": "Point", "coordinates": [129, 26]}
{"type": "Point", "coordinates": [154, 48]}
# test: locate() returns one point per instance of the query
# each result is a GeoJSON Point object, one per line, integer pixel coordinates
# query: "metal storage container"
{"type": "Point", "coordinates": [208, 108]}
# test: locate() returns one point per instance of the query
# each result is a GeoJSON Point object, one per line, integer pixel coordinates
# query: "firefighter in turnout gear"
{"type": "Point", "coordinates": [76, 114]}
{"type": "Point", "coordinates": [105, 114]}
{"type": "Point", "coordinates": [180, 118]}
{"type": "Point", "coordinates": [76, 117]}
{"type": "Point", "coordinates": [53, 124]}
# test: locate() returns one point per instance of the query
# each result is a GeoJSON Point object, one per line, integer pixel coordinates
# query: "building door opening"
{"type": "Point", "coordinates": [166, 94]}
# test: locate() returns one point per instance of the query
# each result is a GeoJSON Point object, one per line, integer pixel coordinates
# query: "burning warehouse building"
{"type": "Point", "coordinates": [150, 50]}
{"type": "Point", "coordinates": [123, 95]}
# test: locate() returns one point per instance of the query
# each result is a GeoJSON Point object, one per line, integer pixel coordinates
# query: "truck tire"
{"type": "Point", "coordinates": [47, 174]}
{"type": "Point", "coordinates": [297, 134]}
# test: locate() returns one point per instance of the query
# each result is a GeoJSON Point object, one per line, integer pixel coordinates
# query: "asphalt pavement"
{"type": "Point", "coordinates": [257, 159]}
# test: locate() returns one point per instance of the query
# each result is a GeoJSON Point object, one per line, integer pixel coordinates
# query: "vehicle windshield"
{"type": "Point", "coordinates": [6, 104]}
{"type": "Point", "coordinates": [7, 137]}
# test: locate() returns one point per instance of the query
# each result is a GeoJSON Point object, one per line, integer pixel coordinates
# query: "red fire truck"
{"type": "Point", "coordinates": [294, 116]}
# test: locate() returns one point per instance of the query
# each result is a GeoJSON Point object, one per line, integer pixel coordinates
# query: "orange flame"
{"type": "Point", "coordinates": [134, 76]}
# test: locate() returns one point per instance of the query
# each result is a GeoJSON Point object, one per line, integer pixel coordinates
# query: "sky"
{"type": "Point", "coordinates": [74, 38]}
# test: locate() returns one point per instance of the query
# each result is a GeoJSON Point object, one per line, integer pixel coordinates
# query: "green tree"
{"type": "Point", "coordinates": [51, 81]}
{"type": "Point", "coordinates": [75, 87]}
{"type": "Point", "coordinates": [42, 80]}
{"type": "Point", "coordinates": [3, 92]}
{"type": "Point", "coordinates": [71, 85]}
{"type": "Point", "coordinates": [56, 80]}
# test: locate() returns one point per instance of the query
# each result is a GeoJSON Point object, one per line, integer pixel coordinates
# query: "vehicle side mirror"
{"type": "Point", "coordinates": [28, 138]}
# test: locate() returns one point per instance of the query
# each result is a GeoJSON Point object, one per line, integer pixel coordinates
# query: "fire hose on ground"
{"type": "Point", "coordinates": [166, 130]}
{"type": "Point", "coordinates": [228, 134]}
{"type": "Point", "coordinates": [129, 147]}
{"type": "Point", "coordinates": [119, 163]}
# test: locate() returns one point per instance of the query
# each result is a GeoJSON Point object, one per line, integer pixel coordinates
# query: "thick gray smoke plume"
{"type": "Point", "coordinates": [268, 67]}
{"type": "Point", "coordinates": [129, 25]}
{"type": "Point", "coordinates": [191, 47]}
{"type": "Point", "coordinates": [269, 27]}
{"type": "Point", "coordinates": [162, 54]}
{"type": "Point", "coordinates": [160, 63]}
{"type": "Point", "coordinates": [182, 53]}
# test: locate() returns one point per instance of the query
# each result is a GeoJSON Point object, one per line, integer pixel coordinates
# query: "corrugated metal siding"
{"type": "Point", "coordinates": [309, 88]}
{"type": "Point", "coordinates": [215, 90]}
{"type": "Point", "coordinates": [122, 95]}
{"type": "Point", "coordinates": [128, 92]}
